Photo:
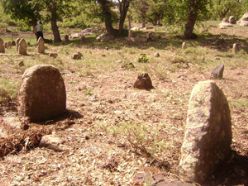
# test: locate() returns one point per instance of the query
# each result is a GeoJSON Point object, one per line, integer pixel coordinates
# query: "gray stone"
{"type": "Point", "coordinates": [54, 55]}
{"type": "Point", "coordinates": [183, 45]}
{"type": "Point", "coordinates": [235, 48]}
{"type": "Point", "coordinates": [208, 134]}
{"type": "Point", "coordinates": [217, 73]}
{"type": "Point", "coordinates": [41, 45]}
{"type": "Point", "coordinates": [77, 56]}
{"type": "Point", "coordinates": [42, 95]}
{"type": "Point", "coordinates": [22, 47]}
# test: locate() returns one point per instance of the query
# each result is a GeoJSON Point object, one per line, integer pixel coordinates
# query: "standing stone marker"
{"type": "Point", "coordinates": [42, 95]}
{"type": "Point", "coordinates": [22, 47]}
{"type": "Point", "coordinates": [2, 46]}
{"type": "Point", "coordinates": [67, 38]}
{"type": "Point", "coordinates": [143, 82]}
{"type": "Point", "coordinates": [208, 133]}
{"type": "Point", "coordinates": [41, 45]}
{"type": "Point", "coordinates": [235, 48]}
{"type": "Point", "coordinates": [17, 43]}
{"type": "Point", "coordinates": [217, 72]}
{"type": "Point", "coordinates": [183, 45]}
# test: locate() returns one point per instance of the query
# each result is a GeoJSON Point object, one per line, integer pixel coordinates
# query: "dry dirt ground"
{"type": "Point", "coordinates": [113, 131]}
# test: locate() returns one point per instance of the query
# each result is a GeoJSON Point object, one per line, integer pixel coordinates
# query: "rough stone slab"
{"type": "Point", "coordinates": [42, 95]}
{"type": "Point", "coordinates": [208, 134]}
{"type": "Point", "coordinates": [217, 72]}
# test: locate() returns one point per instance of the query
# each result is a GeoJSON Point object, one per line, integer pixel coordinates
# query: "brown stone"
{"type": "Point", "coordinates": [77, 56]}
{"type": "Point", "coordinates": [67, 38]}
{"type": "Point", "coordinates": [54, 55]}
{"type": "Point", "coordinates": [143, 82]}
{"type": "Point", "coordinates": [42, 95]}
{"type": "Point", "coordinates": [22, 47]}
{"type": "Point", "coordinates": [208, 133]}
{"type": "Point", "coordinates": [235, 48]}
{"type": "Point", "coordinates": [41, 45]}
{"type": "Point", "coordinates": [2, 46]}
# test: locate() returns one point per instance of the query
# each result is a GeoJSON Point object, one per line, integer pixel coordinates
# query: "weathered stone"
{"type": "Point", "coordinates": [21, 64]}
{"type": "Point", "coordinates": [235, 48]}
{"type": "Point", "coordinates": [13, 43]}
{"type": "Point", "coordinates": [217, 73]}
{"type": "Point", "coordinates": [208, 133]}
{"type": "Point", "coordinates": [54, 55]}
{"type": "Point", "coordinates": [41, 45]}
{"type": "Point", "coordinates": [183, 45]}
{"type": "Point", "coordinates": [2, 47]}
{"type": "Point", "coordinates": [17, 43]}
{"type": "Point", "coordinates": [42, 94]}
{"type": "Point", "coordinates": [143, 82]}
{"type": "Point", "coordinates": [77, 56]}
{"type": "Point", "coordinates": [22, 47]}
{"type": "Point", "coordinates": [67, 38]}
{"type": "Point", "coordinates": [157, 54]}
{"type": "Point", "coordinates": [232, 20]}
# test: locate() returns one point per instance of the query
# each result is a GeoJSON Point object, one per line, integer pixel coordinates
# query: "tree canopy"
{"type": "Point", "coordinates": [113, 13]}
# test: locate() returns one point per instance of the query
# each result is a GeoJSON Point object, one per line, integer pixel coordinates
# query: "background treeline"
{"type": "Point", "coordinates": [114, 13]}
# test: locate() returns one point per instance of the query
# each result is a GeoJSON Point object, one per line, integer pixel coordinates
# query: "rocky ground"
{"type": "Point", "coordinates": [115, 134]}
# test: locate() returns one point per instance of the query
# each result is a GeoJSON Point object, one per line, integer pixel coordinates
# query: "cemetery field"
{"type": "Point", "coordinates": [112, 131]}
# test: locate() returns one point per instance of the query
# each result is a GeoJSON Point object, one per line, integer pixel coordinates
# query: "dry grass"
{"type": "Point", "coordinates": [140, 130]}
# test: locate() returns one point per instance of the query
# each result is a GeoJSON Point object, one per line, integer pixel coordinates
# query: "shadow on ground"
{"type": "Point", "coordinates": [233, 172]}
{"type": "Point", "coordinates": [221, 42]}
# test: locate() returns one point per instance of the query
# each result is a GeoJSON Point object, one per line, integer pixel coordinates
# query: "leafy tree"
{"type": "Point", "coordinates": [107, 7]}
{"type": "Point", "coordinates": [23, 10]}
{"type": "Point", "coordinates": [32, 10]}
{"type": "Point", "coordinates": [140, 9]}
{"type": "Point", "coordinates": [223, 8]}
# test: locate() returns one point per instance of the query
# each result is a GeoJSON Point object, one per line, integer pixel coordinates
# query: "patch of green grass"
{"type": "Point", "coordinates": [241, 103]}
{"type": "Point", "coordinates": [141, 137]}
{"type": "Point", "coordinates": [88, 92]}
{"type": "Point", "coordinates": [8, 89]}
{"type": "Point", "coordinates": [143, 58]}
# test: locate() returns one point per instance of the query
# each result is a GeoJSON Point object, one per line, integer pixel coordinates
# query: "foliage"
{"type": "Point", "coordinates": [143, 58]}
{"type": "Point", "coordinates": [7, 90]}
{"type": "Point", "coordinates": [223, 8]}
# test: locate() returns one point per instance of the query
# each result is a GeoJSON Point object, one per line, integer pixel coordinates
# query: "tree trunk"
{"type": "Point", "coordinates": [107, 17]}
{"type": "Point", "coordinates": [123, 8]}
{"type": "Point", "coordinates": [191, 20]}
{"type": "Point", "coordinates": [54, 27]}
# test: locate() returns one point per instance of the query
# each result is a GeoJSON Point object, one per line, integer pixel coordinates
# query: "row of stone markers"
{"type": "Point", "coordinates": [208, 135]}
{"type": "Point", "coordinates": [21, 46]}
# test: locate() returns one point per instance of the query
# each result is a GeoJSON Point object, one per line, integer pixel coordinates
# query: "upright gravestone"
{"type": "Point", "coordinates": [217, 72]}
{"type": "Point", "coordinates": [17, 43]}
{"type": "Point", "coordinates": [183, 45]}
{"type": "Point", "coordinates": [42, 95]}
{"type": "Point", "coordinates": [41, 45]}
{"type": "Point", "coordinates": [235, 48]}
{"type": "Point", "coordinates": [22, 47]}
{"type": "Point", "coordinates": [208, 133]}
{"type": "Point", "coordinates": [2, 46]}
{"type": "Point", "coordinates": [143, 82]}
